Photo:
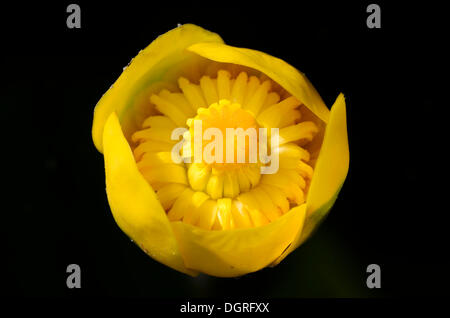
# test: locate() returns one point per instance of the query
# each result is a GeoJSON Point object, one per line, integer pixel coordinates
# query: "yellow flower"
{"type": "Point", "coordinates": [220, 218]}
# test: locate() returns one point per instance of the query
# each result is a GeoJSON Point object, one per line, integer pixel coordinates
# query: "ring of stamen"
{"type": "Point", "coordinates": [221, 195]}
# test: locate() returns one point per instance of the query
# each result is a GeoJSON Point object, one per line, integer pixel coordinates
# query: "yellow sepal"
{"type": "Point", "coordinates": [329, 174]}
{"type": "Point", "coordinates": [133, 202]}
{"type": "Point", "coordinates": [281, 72]}
{"type": "Point", "coordinates": [230, 253]}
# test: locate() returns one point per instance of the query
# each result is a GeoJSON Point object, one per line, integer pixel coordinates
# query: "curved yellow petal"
{"type": "Point", "coordinates": [149, 66]}
{"type": "Point", "coordinates": [329, 173]}
{"type": "Point", "coordinates": [133, 202]}
{"type": "Point", "coordinates": [281, 72]}
{"type": "Point", "coordinates": [230, 253]}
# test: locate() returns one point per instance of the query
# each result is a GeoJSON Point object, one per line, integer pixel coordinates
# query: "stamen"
{"type": "Point", "coordinates": [208, 212]}
{"type": "Point", "coordinates": [239, 88]}
{"type": "Point", "coordinates": [156, 159]}
{"type": "Point", "coordinates": [224, 214]}
{"type": "Point", "coordinates": [215, 184]}
{"type": "Point", "coordinates": [179, 100]}
{"type": "Point", "coordinates": [277, 196]}
{"type": "Point", "coordinates": [240, 217]}
{"type": "Point", "coordinates": [256, 101]}
{"type": "Point", "coordinates": [193, 93]}
{"type": "Point", "coordinates": [272, 116]}
{"type": "Point", "coordinates": [266, 205]}
{"type": "Point", "coordinates": [199, 174]}
{"type": "Point", "coordinates": [159, 122]}
{"type": "Point", "coordinates": [169, 193]}
{"type": "Point", "coordinates": [191, 215]}
{"type": "Point", "coordinates": [305, 130]}
{"type": "Point", "coordinates": [162, 134]}
{"type": "Point", "coordinates": [272, 98]}
{"type": "Point", "coordinates": [209, 90]}
{"type": "Point", "coordinates": [167, 108]}
{"type": "Point", "coordinates": [230, 184]}
{"type": "Point", "coordinates": [252, 86]}
{"type": "Point", "coordinates": [223, 84]}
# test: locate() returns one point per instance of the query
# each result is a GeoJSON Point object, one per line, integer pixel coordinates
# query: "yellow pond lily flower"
{"type": "Point", "coordinates": [222, 217]}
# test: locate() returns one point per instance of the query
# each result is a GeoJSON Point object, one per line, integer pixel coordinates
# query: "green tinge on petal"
{"type": "Point", "coordinates": [151, 66]}
{"type": "Point", "coordinates": [133, 202]}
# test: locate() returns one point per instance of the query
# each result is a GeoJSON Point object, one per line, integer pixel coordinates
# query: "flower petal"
{"type": "Point", "coordinates": [133, 202]}
{"type": "Point", "coordinates": [329, 174]}
{"type": "Point", "coordinates": [281, 72]}
{"type": "Point", "coordinates": [148, 67]}
{"type": "Point", "coordinates": [230, 253]}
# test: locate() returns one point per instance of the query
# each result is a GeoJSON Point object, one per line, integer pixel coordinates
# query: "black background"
{"type": "Point", "coordinates": [55, 210]}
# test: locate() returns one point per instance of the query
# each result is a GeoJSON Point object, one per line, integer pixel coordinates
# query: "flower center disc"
{"type": "Point", "coordinates": [228, 136]}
